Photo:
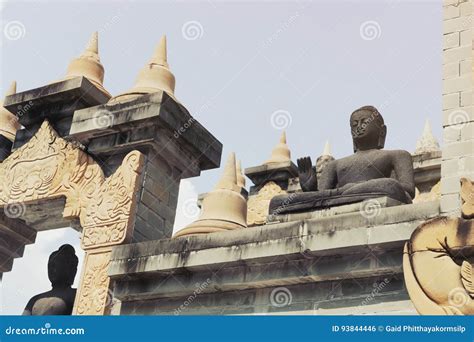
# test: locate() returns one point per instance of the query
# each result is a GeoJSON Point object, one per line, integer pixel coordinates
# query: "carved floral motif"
{"type": "Point", "coordinates": [48, 166]}
{"type": "Point", "coordinates": [94, 296]}
{"type": "Point", "coordinates": [258, 204]}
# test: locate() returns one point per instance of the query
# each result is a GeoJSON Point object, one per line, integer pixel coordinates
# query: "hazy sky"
{"type": "Point", "coordinates": [244, 70]}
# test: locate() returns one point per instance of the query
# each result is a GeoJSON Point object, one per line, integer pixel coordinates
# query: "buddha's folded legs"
{"type": "Point", "coordinates": [388, 186]}
{"type": "Point", "coordinates": [323, 199]}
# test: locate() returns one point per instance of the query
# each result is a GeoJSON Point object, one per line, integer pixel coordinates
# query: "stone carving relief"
{"type": "Point", "coordinates": [438, 262]}
{"type": "Point", "coordinates": [94, 296]}
{"type": "Point", "coordinates": [258, 204]}
{"type": "Point", "coordinates": [49, 167]}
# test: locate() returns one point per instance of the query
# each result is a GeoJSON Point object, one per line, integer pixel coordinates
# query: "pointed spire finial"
{"type": "Point", "coordinates": [281, 152]}
{"type": "Point", "coordinates": [160, 56]}
{"type": "Point", "coordinates": [229, 176]}
{"type": "Point", "coordinates": [93, 44]}
{"type": "Point", "coordinates": [240, 176]}
{"type": "Point", "coordinates": [327, 149]}
{"type": "Point", "coordinates": [427, 142]}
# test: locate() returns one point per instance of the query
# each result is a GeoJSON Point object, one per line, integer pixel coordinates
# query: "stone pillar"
{"type": "Point", "coordinates": [175, 146]}
{"type": "Point", "coordinates": [458, 113]}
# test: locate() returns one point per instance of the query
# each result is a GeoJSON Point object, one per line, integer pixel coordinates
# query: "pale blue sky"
{"type": "Point", "coordinates": [313, 60]}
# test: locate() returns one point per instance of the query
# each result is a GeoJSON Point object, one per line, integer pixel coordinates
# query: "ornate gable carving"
{"type": "Point", "coordinates": [48, 166]}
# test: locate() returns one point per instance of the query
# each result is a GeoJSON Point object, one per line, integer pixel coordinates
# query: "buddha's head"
{"type": "Point", "coordinates": [368, 129]}
{"type": "Point", "coordinates": [62, 266]}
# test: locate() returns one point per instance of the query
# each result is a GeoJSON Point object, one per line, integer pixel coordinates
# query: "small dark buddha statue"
{"type": "Point", "coordinates": [62, 269]}
{"type": "Point", "coordinates": [369, 173]}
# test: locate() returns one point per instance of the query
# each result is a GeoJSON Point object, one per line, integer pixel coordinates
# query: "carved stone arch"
{"type": "Point", "coordinates": [48, 167]}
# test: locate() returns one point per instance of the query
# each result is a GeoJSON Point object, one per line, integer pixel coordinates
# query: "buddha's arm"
{"type": "Point", "coordinates": [328, 177]}
{"type": "Point", "coordinates": [307, 174]}
{"type": "Point", "coordinates": [403, 165]}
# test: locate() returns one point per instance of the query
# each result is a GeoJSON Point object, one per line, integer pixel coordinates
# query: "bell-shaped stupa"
{"type": "Point", "coordinates": [88, 65]}
{"type": "Point", "coordinates": [281, 152]}
{"type": "Point", "coordinates": [224, 208]}
{"type": "Point", "coordinates": [155, 76]}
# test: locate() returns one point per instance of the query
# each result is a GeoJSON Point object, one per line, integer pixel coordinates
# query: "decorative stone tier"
{"type": "Point", "coordinates": [55, 102]}
{"type": "Point", "coordinates": [279, 173]}
{"type": "Point", "coordinates": [14, 235]}
{"type": "Point", "coordinates": [316, 265]}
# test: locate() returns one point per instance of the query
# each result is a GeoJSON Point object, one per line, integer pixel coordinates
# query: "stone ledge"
{"type": "Point", "coordinates": [32, 106]}
{"type": "Point", "coordinates": [338, 235]}
{"type": "Point", "coordinates": [153, 118]}
{"type": "Point", "coordinates": [277, 172]}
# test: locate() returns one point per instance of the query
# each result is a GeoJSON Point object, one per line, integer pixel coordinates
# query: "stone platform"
{"type": "Point", "coordinates": [312, 266]}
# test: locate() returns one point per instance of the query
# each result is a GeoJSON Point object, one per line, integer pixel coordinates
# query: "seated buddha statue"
{"type": "Point", "coordinates": [370, 172]}
{"type": "Point", "coordinates": [62, 269]}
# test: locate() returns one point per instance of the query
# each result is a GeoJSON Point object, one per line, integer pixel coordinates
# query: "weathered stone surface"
{"type": "Point", "coordinates": [175, 144]}
{"type": "Point", "coordinates": [55, 102]}
{"type": "Point", "coordinates": [258, 204]}
{"type": "Point", "coordinates": [370, 207]}
{"type": "Point", "coordinates": [427, 170]}
{"type": "Point", "coordinates": [5, 148]}
{"type": "Point", "coordinates": [458, 87]}
{"type": "Point", "coordinates": [157, 110]}
{"type": "Point", "coordinates": [14, 235]}
{"type": "Point", "coordinates": [303, 298]}
{"type": "Point", "coordinates": [309, 258]}
{"type": "Point", "coordinates": [279, 173]}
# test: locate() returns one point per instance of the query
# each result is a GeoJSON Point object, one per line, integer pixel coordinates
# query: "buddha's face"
{"type": "Point", "coordinates": [368, 130]}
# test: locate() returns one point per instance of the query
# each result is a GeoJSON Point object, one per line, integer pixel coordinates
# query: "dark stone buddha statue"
{"type": "Point", "coordinates": [370, 172]}
{"type": "Point", "coordinates": [62, 269]}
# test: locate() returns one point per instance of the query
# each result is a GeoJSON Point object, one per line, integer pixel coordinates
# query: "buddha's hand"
{"type": "Point", "coordinates": [307, 174]}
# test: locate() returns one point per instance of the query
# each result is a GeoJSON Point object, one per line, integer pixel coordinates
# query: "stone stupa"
{"type": "Point", "coordinates": [88, 65]}
{"type": "Point", "coordinates": [155, 76]}
{"type": "Point", "coordinates": [224, 208]}
{"type": "Point", "coordinates": [281, 152]}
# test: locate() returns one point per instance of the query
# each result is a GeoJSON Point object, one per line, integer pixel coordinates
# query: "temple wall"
{"type": "Point", "coordinates": [458, 113]}
{"type": "Point", "coordinates": [323, 265]}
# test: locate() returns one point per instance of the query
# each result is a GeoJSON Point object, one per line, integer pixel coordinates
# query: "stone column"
{"type": "Point", "coordinates": [458, 113]}
{"type": "Point", "coordinates": [175, 146]}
